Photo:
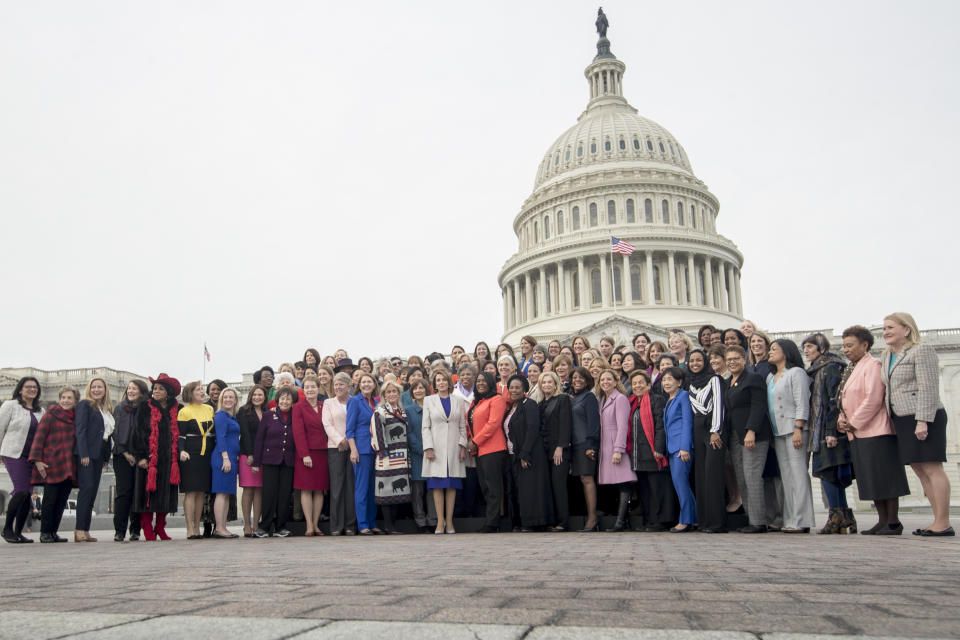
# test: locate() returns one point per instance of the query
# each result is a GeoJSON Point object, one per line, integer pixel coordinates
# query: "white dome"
{"type": "Point", "coordinates": [611, 133]}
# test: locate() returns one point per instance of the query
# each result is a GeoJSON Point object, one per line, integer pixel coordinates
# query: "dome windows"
{"type": "Point", "coordinates": [596, 291]}
{"type": "Point", "coordinates": [593, 147]}
{"type": "Point", "coordinates": [649, 145]}
{"type": "Point", "coordinates": [623, 144]}
{"type": "Point", "coordinates": [536, 232]}
{"type": "Point", "coordinates": [579, 150]}
{"type": "Point", "coordinates": [611, 212]}
{"type": "Point", "coordinates": [635, 282]}
{"type": "Point", "coordinates": [665, 211]}
{"type": "Point", "coordinates": [636, 144]}
{"type": "Point", "coordinates": [576, 218]}
{"type": "Point", "coordinates": [606, 145]}
{"type": "Point", "coordinates": [631, 214]}
{"type": "Point", "coordinates": [566, 156]}
{"type": "Point", "coordinates": [671, 148]}
{"type": "Point", "coordinates": [648, 211]}
{"type": "Point", "coordinates": [546, 228]}
{"type": "Point", "coordinates": [559, 222]}
{"type": "Point", "coordinates": [662, 149]}
{"type": "Point", "coordinates": [593, 214]}
{"type": "Point", "coordinates": [556, 160]}
{"type": "Point", "coordinates": [680, 213]}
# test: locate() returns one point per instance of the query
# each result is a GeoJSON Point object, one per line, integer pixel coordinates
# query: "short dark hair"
{"type": "Point", "coordinates": [818, 340]}
{"type": "Point", "coordinates": [259, 373]}
{"type": "Point", "coordinates": [740, 351]}
{"type": "Point", "coordinates": [286, 391]}
{"type": "Point", "coordinates": [639, 372]}
{"type": "Point", "coordinates": [586, 376]}
{"type": "Point", "coordinates": [216, 381]}
{"type": "Point", "coordinates": [676, 373]}
{"type": "Point", "coordinates": [859, 332]}
{"type": "Point", "coordinates": [672, 357]}
{"type": "Point", "coordinates": [299, 364]}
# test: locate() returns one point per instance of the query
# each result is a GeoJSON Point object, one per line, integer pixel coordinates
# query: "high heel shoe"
{"type": "Point", "coordinates": [594, 528]}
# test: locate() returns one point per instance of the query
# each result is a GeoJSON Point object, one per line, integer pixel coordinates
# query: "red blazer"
{"type": "Point", "coordinates": [53, 444]}
{"type": "Point", "coordinates": [487, 430]}
{"type": "Point", "coordinates": [308, 431]}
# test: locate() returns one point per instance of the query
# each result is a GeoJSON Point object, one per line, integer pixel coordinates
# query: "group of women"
{"type": "Point", "coordinates": [687, 435]}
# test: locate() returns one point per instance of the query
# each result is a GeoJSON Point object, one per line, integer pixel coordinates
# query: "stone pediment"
{"type": "Point", "coordinates": [620, 328]}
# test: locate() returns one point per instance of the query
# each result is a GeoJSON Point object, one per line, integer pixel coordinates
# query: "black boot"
{"type": "Point", "coordinates": [623, 518]}
{"type": "Point", "coordinates": [14, 522]}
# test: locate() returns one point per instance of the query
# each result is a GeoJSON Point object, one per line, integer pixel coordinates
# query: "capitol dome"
{"type": "Point", "coordinates": [617, 175]}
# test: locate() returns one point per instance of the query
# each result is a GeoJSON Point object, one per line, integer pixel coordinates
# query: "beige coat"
{"type": "Point", "coordinates": [445, 436]}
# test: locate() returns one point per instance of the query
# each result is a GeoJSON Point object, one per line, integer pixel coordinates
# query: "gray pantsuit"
{"type": "Point", "coordinates": [343, 515]}
{"type": "Point", "coordinates": [748, 466]}
{"type": "Point", "coordinates": [797, 495]}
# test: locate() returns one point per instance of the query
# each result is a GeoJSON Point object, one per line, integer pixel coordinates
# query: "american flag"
{"type": "Point", "coordinates": [619, 246]}
{"type": "Point", "coordinates": [206, 352]}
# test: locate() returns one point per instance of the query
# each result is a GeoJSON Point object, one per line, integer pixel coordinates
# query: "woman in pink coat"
{"type": "Point", "coordinates": [615, 467]}
{"type": "Point", "coordinates": [873, 442]}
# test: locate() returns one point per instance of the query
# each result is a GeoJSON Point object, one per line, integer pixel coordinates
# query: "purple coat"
{"type": "Point", "coordinates": [614, 429]}
{"type": "Point", "coordinates": [274, 443]}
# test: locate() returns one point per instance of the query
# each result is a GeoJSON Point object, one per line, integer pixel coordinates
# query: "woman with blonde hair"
{"type": "Point", "coordinates": [680, 345]}
{"type": "Point", "coordinates": [615, 467]}
{"type": "Point", "coordinates": [94, 424]}
{"type": "Point", "coordinates": [325, 379]}
{"type": "Point", "coordinates": [224, 461]}
{"type": "Point", "coordinates": [588, 356]}
{"type": "Point", "coordinates": [597, 366]}
{"type": "Point", "coordinates": [391, 467]}
{"type": "Point", "coordinates": [911, 375]}
{"type": "Point", "coordinates": [195, 444]}
{"type": "Point", "coordinates": [579, 345]}
{"type": "Point", "coordinates": [556, 415]}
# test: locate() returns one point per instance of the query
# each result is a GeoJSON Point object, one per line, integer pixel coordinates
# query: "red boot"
{"type": "Point", "coordinates": [161, 523]}
{"type": "Point", "coordinates": [146, 524]}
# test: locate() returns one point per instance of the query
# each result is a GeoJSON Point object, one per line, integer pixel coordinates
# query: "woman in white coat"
{"type": "Point", "coordinates": [444, 433]}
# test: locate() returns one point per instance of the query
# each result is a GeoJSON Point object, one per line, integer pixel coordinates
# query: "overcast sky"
{"type": "Point", "coordinates": [273, 176]}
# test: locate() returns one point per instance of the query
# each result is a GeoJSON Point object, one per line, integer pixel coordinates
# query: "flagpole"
{"type": "Point", "coordinates": [204, 378]}
{"type": "Point", "coordinates": [613, 281]}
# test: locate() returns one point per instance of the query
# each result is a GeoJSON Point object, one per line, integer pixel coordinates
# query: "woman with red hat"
{"type": "Point", "coordinates": [155, 447]}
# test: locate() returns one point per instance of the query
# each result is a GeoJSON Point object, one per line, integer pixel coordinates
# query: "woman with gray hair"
{"type": "Point", "coordinates": [343, 517]}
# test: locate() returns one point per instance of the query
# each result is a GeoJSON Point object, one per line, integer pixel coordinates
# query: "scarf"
{"type": "Point", "coordinates": [155, 418]}
{"type": "Point", "coordinates": [817, 407]}
{"type": "Point", "coordinates": [646, 421]}
{"type": "Point", "coordinates": [702, 378]}
{"type": "Point", "coordinates": [843, 383]}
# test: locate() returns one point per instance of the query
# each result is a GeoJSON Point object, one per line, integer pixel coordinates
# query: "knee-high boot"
{"type": "Point", "coordinates": [160, 528]}
{"type": "Point", "coordinates": [623, 518]}
{"type": "Point", "coordinates": [146, 524]}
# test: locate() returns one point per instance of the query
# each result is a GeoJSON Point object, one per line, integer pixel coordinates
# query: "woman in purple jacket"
{"type": "Point", "coordinates": [615, 465]}
{"type": "Point", "coordinates": [274, 452]}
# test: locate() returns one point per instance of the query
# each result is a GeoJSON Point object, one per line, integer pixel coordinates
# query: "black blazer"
{"type": "Point", "coordinates": [525, 426]}
{"type": "Point", "coordinates": [90, 428]}
{"type": "Point", "coordinates": [745, 407]}
{"type": "Point", "coordinates": [249, 423]}
{"type": "Point", "coordinates": [557, 416]}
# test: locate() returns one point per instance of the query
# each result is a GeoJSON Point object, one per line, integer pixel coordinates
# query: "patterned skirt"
{"type": "Point", "coordinates": [392, 477]}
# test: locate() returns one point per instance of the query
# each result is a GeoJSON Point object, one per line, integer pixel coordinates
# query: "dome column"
{"type": "Point", "coordinates": [542, 294]}
{"type": "Point", "coordinates": [722, 278]}
{"type": "Point", "coordinates": [708, 272]}
{"type": "Point", "coordinates": [732, 287]}
{"type": "Point", "coordinates": [625, 282]}
{"type": "Point", "coordinates": [672, 274]}
{"type": "Point", "coordinates": [691, 281]}
{"type": "Point", "coordinates": [561, 288]}
{"type": "Point", "coordinates": [739, 293]}
{"type": "Point", "coordinates": [514, 307]}
{"type": "Point", "coordinates": [605, 284]}
{"type": "Point", "coordinates": [582, 284]}
{"type": "Point", "coordinates": [651, 297]}
{"type": "Point", "coordinates": [506, 308]}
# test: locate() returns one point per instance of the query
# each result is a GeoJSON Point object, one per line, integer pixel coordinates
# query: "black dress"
{"type": "Point", "coordinates": [531, 485]}
{"type": "Point", "coordinates": [164, 498]}
{"type": "Point", "coordinates": [198, 439]}
{"type": "Point", "coordinates": [654, 485]}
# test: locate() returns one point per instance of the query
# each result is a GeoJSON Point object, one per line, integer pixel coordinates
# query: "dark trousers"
{"type": "Point", "coordinates": [342, 512]}
{"type": "Point", "coordinates": [709, 485]}
{"type": "Point", "coordinates": [277, 488]}
{"type": "Point", "coordinates": [54, 502]}
{"type": "Point", "coordinates": [558, 482]}
{"type": "Point", "coordinates": [467, 504]}
{"type": "Point", "coordinates": [660, 504]}
{"type": "Point", "coordinates": [126, 476]}
{"type": "Point", "coordinates": [490, 470]}
{"type": "Point", "coordinates": [88, 478]}
{"type": "Point", "coordinates": [17, 510]}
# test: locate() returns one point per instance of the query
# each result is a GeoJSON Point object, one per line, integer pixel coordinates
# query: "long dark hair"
{"type": "Point", "coordinates": [790, 352]}
{"type": "Point", "coordinates": [248, 406]}
{"type": "Point", "coordinates": [491, 387]}
{"type": "Point", "coordinates": [742, 338]}
{"type": "Point", "coordinates": [144, 391]}
{"type": "Point", "coordinates": [18, 392]}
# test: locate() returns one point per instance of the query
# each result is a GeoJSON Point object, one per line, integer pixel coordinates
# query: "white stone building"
{"type": "Point", "coordinates": [617, 174]}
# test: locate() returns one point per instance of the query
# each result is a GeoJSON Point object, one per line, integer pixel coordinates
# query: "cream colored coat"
{"type": "Point", "coordinates": [445, 436]}
{"type": "Point", "coordinates": [862, 400]}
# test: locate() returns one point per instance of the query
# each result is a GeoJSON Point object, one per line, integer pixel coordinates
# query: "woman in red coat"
{"type": "Point", "coordinates": [310, 473]}
{"type": "Point", "coordinates": [55, 466]}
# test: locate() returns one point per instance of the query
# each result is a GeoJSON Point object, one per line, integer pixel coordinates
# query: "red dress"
{"type": "Point", "coordinates": [310, 439]}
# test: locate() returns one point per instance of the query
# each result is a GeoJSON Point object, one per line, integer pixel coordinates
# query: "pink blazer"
{"type": "Point", "coordinates": [863, 401]}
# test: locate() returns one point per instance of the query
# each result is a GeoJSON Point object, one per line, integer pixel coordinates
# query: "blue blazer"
{"type": "Point", "coordinates": [359, 415]}
{"type": "Point", "coordinates": [89, 425]}
{"type": "Point", "coordinates": [678, 423]}
{"type": "Point", "coordinates": [415, 440]}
